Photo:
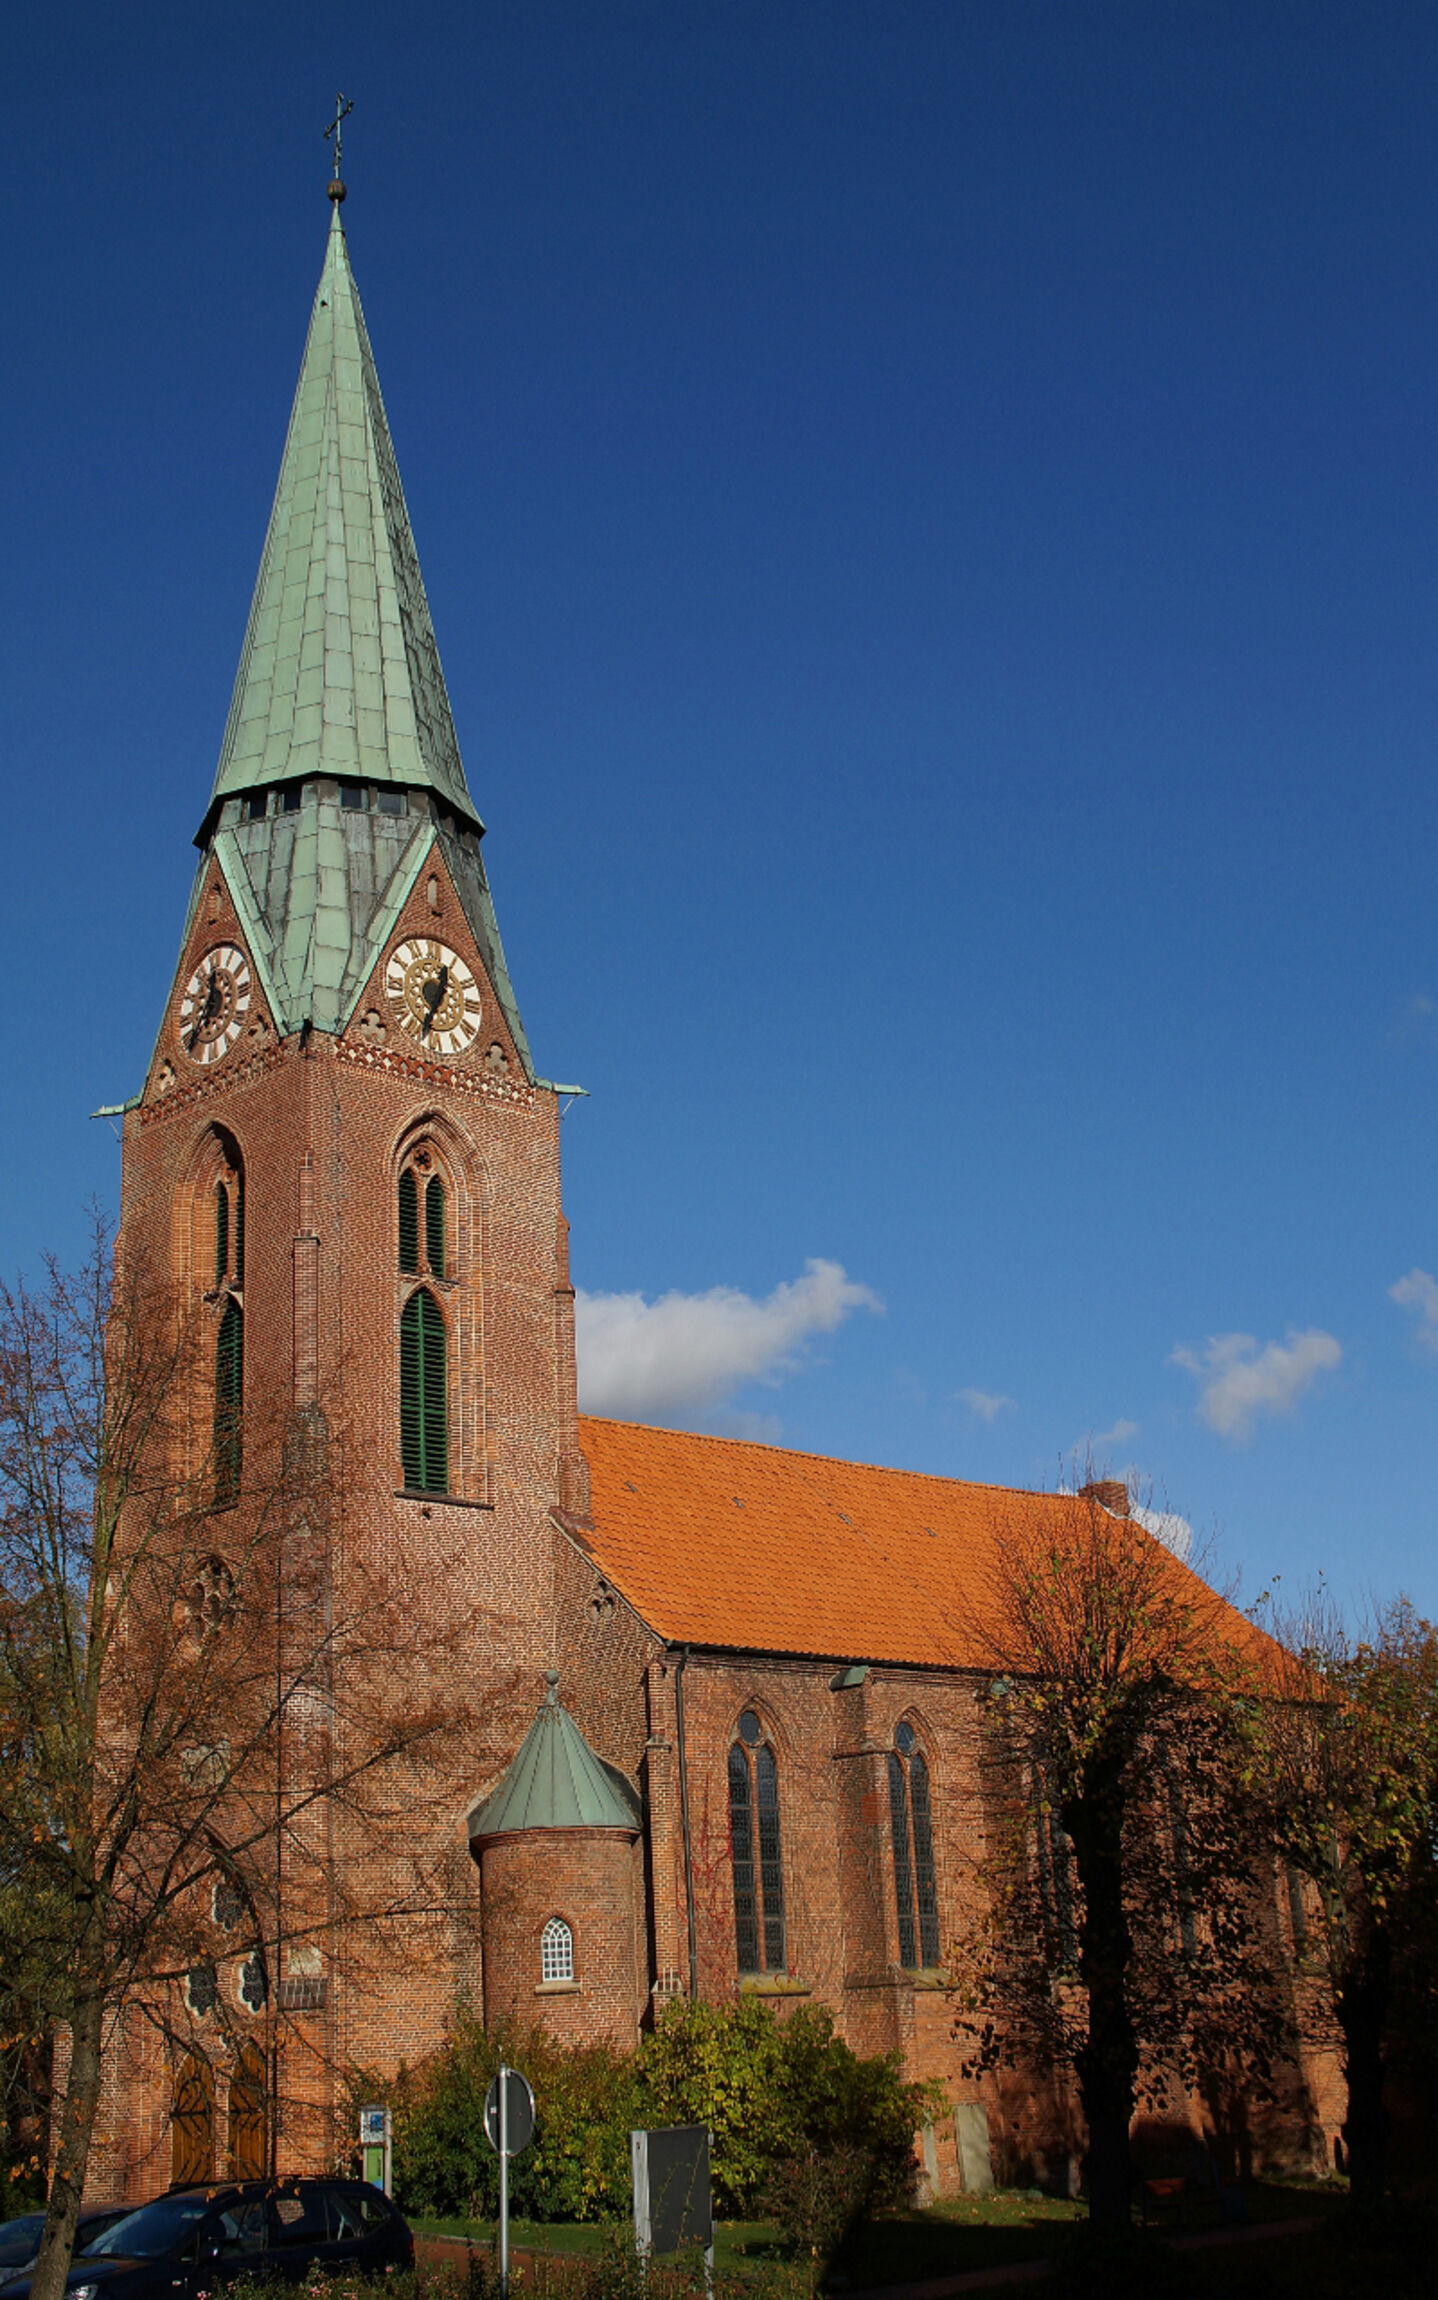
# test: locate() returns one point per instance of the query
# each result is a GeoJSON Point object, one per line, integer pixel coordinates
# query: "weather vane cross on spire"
{"type": "Point", "coordinates": [343, 107]}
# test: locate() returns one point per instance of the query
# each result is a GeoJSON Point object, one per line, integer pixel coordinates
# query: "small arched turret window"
{"type": "Point", "coordinates": [556, 1951]}
{"type": "Point", "coordinates": [423, 1395]}
{"type": "Point", "coordinates": [912, 1828]}
{"type": "Point", "coordinates": [755, 1849]}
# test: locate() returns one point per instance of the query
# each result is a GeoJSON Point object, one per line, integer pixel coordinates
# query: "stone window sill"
{"type": "Point", "coordinates": [557, 1989]}
{"type": "Point", "coordinates": [772, 1985]}
{"type": "Point", "coordinates": [439, 1500]}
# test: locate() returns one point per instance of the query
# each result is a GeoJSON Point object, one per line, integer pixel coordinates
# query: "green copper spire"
{"type": "Point", "coordinates": [556, 1782]}
{"type": "Point", "coordinates": [340, 672]}
{"type": "Point", "coordinates": [340, 701]}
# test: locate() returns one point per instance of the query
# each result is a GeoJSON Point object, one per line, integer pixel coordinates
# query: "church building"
{"type": "Point", "coordinates": [728, 1696]}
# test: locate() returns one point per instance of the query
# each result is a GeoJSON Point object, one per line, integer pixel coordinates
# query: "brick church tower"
{"type": "Point", "coordinates": [344, 1155]}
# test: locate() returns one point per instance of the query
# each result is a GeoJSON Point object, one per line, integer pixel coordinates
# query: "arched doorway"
{"type": "Point", "coordinates": [192, 2124]}
{"type": "Point", "coordinates": [248, 2133]}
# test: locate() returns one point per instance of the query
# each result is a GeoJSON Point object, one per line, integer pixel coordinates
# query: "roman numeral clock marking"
{"type": "Point", "coordinates": [433, 996]}
{"type": "Point", "coordinates": [214, 1003]}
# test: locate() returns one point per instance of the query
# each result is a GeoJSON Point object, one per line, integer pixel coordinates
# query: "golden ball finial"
{"type": "Point", "coordinates": [336, 190]}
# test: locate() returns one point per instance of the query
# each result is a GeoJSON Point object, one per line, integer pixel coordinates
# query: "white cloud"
{"type": "Point", "coordinates": [1119, 1435]}
{"type": "Point", "coordinates": [987, 1404]}
{"type": "Point", "coordinates": [688, 1353]}
{"type": "Point", "coordinates": [1419, 1291]}
{"type": "Point", "coordinates": [1239, 1378]}
{"type": "Point", "coordinates": [1166, 1526]}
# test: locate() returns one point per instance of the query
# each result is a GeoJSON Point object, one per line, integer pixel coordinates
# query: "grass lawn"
{"type": "Point", "coordinates": [1395, 2259]}
{"type": "Point", "coordinates": [735, 2241]}
{"type": "Point", "coordinates": [1010, 2225]}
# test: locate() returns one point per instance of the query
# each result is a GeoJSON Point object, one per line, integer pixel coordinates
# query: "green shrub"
{"type": "Point", "coordinates": [773, 2093]}
{"type": "Point", "coordinates": [577, 2167]}
{"type": "Point", "coordinates": [776, 2091]}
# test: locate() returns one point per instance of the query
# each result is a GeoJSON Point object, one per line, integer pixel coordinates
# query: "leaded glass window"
{"type": "Point", "coordinates": [1055, 1873]}
{"type": "Point", "coordinates": [756, 1849]}
{"type": "Point", "coordinates": [911, 1831]}
{"type": "Point", "coordinates": [556, 1951]}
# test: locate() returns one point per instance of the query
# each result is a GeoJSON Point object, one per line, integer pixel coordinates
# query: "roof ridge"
{"type": "Point", "coordinates": [804, 1453]}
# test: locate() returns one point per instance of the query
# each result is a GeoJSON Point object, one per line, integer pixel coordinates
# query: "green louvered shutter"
{"type": "Point", "coordinates": [240, 1228]}
{"type": "Point", "coordinates": [408, 1222]}
{"type": "Point", "coordinates": [222, 1233]}
{"type": "Point", "coordinates": [229, 1396]}
{"type": "Point", "coordinates": [434, 1225]}
{"type": "Point", "coordinates": [423, 1396]}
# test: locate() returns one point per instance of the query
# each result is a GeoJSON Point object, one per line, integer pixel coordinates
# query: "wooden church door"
{"type": "Point", "coordinates": [192, 2125]}
{"type": "Point", "coordinates": [249, 2130]}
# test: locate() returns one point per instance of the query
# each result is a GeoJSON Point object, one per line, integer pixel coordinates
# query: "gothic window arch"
{"type": "Point", "coordinates": [556, 1952]}
{"type": "Point", "coordinates": [911, 1826]}
{"type": "Point", "coordinates": [756, 1848]}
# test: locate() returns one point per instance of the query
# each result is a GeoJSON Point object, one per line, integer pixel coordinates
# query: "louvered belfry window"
{"type": "Point", "coordinates": [222, 1233]}
{"type": "Point", "coordinates": [911, 1828]}
{"type": "Point", "coordinates": [409, 1223]}
{"type": "Point", "coordinates": [423, 1395]}
{"type": "Point", "coordinates": [755, 1849]}
{"type": "Point", "coordinates": [434, 1225]}
{"type": "Point", "coordinates": [229, 1401]}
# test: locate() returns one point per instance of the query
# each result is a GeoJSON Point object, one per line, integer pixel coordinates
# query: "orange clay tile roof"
{"type": "Point", "coordinates": [718, 1542]}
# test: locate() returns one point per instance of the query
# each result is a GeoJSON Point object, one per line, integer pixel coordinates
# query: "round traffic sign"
{"type": "Point", "coordinates": [519, 2107]}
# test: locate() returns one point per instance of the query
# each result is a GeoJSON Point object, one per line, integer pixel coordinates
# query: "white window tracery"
{"type": "Point", "coordinates": [556, 1951]}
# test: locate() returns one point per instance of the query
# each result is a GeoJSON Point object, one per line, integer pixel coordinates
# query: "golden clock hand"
{"type": "Point", "coordinates": [433, 995]}
{"type": "Point", "coordinates": [208, 1012]}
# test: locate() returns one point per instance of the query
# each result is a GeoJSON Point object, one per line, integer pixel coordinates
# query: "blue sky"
{"type": "Point", "coordinates": [931, 515]}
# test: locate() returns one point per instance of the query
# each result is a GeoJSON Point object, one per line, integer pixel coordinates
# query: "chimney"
{"type": "Point", "coordinates": [1109, 1492]}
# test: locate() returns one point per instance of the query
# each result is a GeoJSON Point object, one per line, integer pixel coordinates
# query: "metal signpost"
{"type": "Point", "coordinates": [376, 2148]}
{"type": "Point", "coordinates": [509, 2129]}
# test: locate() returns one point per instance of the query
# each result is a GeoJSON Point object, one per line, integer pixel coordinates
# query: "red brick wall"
{"type": "Point", "coordinates": [593, 1880]}
{"type": "Point", "coordinates": [321, 1130]}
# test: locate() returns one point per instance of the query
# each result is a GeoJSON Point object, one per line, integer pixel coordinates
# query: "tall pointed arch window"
{"type": "Point", "coordinates": [425, 1253]}
{"type": "Point", "coordinates": [423, 1394]}
{"type": "Point", "coordinates": [228, 1205]}
{"type": "Point", "coordinates": [911, 1826]}
{"type": "Point", "coordinates": [755, 1849]}
{"type": "Point", "coordinates": [1055, 1875]}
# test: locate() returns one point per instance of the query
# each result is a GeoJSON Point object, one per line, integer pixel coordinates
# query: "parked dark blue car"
{"type": "Point", "coordinates": [199, 2239]}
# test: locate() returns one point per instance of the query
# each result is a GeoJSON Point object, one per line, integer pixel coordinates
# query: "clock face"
{"type": "Point", "coordinates": [214, 1003]}
{"type": "Point", "coordinates": [433, 996]}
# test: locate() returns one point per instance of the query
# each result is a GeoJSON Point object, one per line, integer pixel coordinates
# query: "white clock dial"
{"type": "Point", "coordinates": [214, 1003]}
{"type": "Point", "coordinates": [433, 996]}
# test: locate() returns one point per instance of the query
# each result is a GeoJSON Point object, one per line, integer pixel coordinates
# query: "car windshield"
{"type": "Point", "coordinates": [16, 2235]}
{"type": "Point", "coordinates": [152, 2231]}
